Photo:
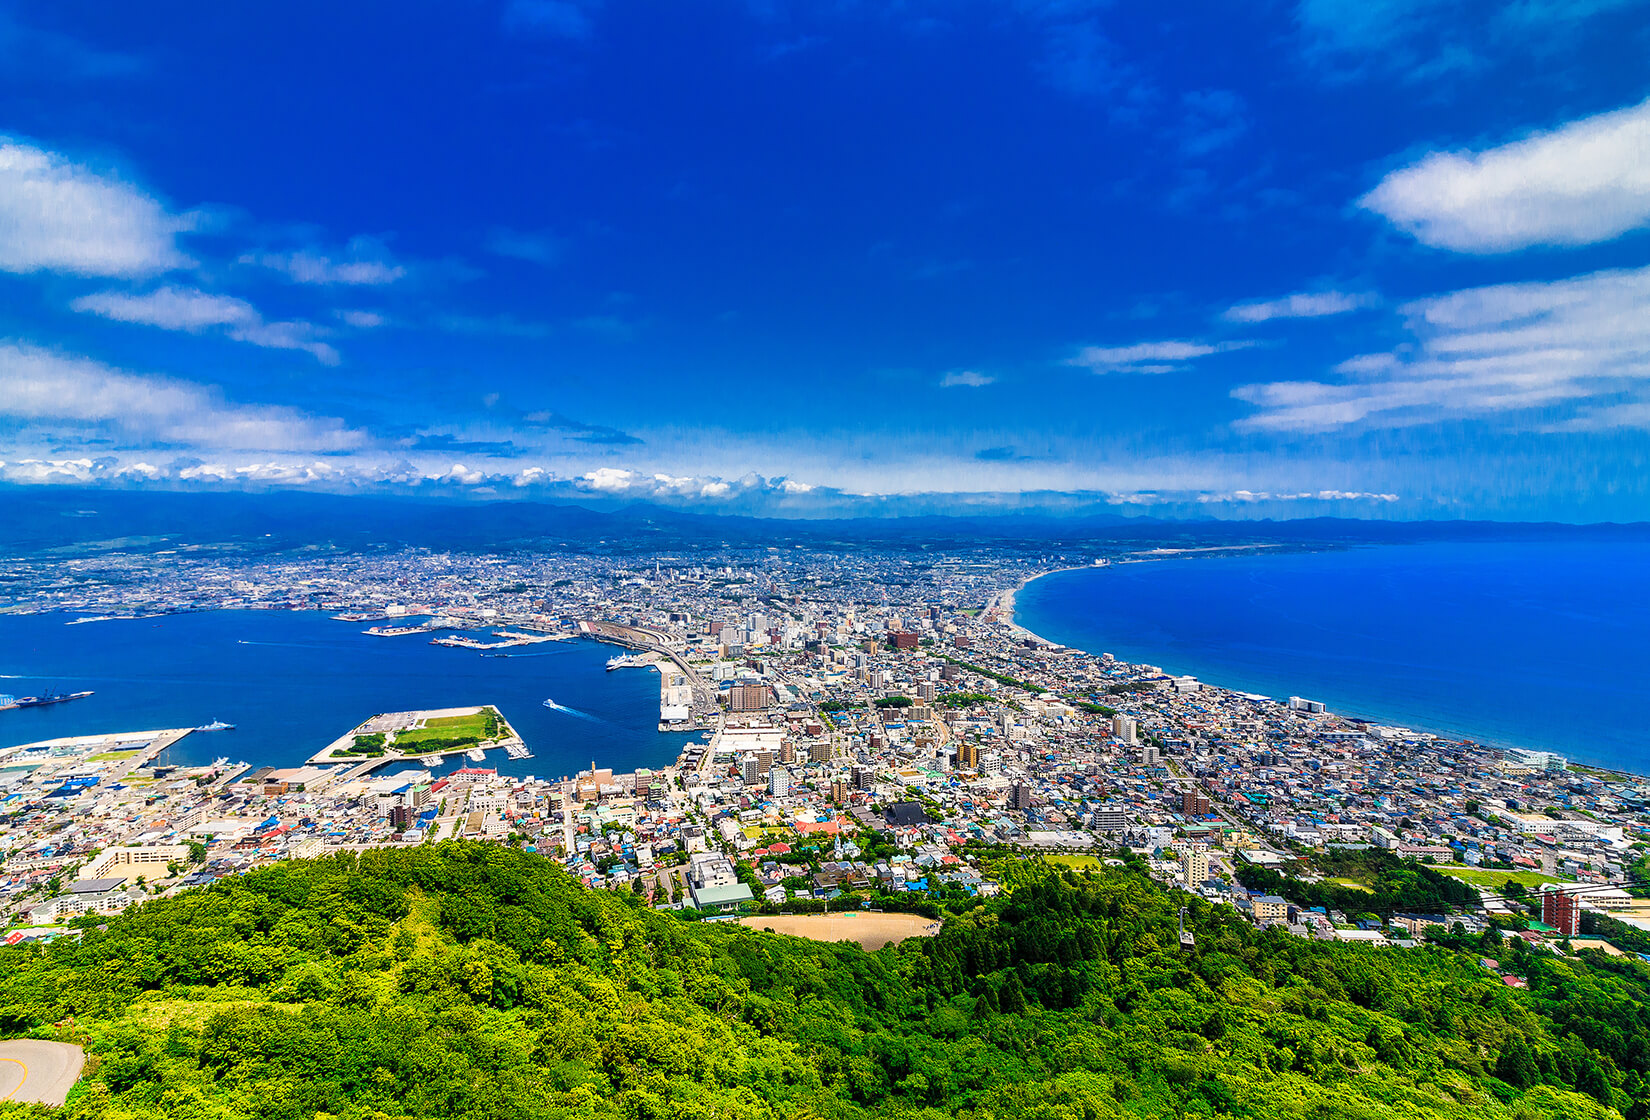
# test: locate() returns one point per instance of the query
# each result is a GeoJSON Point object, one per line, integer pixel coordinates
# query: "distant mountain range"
{"type": "Point", "coordinates": [40, 519]}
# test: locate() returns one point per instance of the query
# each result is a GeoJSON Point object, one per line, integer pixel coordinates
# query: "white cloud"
{"type": "Point", "coordinates": [59, 216]}
{"type": "Point", "coordinates": [1299, 305]}
{"type": "Point", "coordinates": [1149, 357]}
{"type": "Point", "coordinates": [364, 262]}
{"type": "Point", "coordinates": [620, 482]}
{"type": "Point", "coordinates": [44, 386]}
{"type": "Point", "coordinates": [195, 311]}
{"type": "Point", "coordinates": [1484, 351]}
{"type": "Point", "coordinates": [965, 378]}
{"type": "Point", "coordinates": [362, 320]}
{"type": "Point", "coordinates": [1586, 182]}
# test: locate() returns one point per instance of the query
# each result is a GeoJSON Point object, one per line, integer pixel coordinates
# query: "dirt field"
{"type": "Point", "coordinates": [872, 931]}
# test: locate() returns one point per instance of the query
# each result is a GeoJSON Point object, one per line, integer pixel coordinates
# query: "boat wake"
{"type": "Point", "coordinates": [555, 707]}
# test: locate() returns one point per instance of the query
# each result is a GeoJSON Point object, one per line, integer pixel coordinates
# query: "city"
{"type": "Point", "coordinates": [867, 730]}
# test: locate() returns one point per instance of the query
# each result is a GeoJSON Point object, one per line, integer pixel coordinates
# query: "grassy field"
{"type": "Point", "coordinates": [453, 730]}
{"type": "Point", "coordinates": [1066, 859]}
{"type": "Point", "coordinates": [114, 756]}
{"type": "Point", "coordinates": [1353, 883]}
{"type": "Point", "coordinates": [1482, 877]}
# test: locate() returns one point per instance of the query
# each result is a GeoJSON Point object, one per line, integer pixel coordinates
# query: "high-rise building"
{"type": "Point", "coordinates": [779, 782]}
{"type": "Point", "coordinates": [926, 690]}
{"type": "Point", "coordinates": [1150, 756]}
{"type": "Point", "coordinates": [1194, 866]}
{"type": "Point", "coordinates": [1110, 820]}
{"type": "Point", "coordinates": [862, 777]}
{"type": "Point", "coordinates": [748, 696]}
{"type": "Point", "coordinates": [1021, 798]}
{"type": "Point", "coordinates": [968, 755]}
{"type": "Point", "coordinates": [1193, 804]}
{"type": "Point", "coordinates": [1122, 727]}
{"type": "Point", "coordinates": [821, 750]}
{"type": "Point", "coordinates": [1562, 911]}
{"type": "Point", "coordinates": [787, 752]}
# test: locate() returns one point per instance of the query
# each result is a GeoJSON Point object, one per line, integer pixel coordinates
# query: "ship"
{"type": "Point", "coordinates": [430, 759]}
{"type": "Point", "coordinates": [216, 725]}
{"type": "Point", "coordinates": [517, 751]}
{"type": "Point", "coordinates": [476, 754]}
{"type": "Point", "coordinates": [50, 697]}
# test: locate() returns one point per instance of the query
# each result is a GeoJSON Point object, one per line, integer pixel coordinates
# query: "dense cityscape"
{"type": "Point", "coordinates": [872, 731]}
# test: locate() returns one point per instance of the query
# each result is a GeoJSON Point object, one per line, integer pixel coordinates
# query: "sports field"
{"type": "Point", "coordinates": [871, 931]}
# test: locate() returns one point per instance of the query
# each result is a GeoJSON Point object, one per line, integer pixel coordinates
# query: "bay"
{"type": "Point", "coordinates": [293, 681]}
{"type": "Point", "coordinates": [1543, 645]}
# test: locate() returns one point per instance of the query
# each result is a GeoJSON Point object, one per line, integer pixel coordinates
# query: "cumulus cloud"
{"type": "Point", "coordinates": [44, 386]}
{"type": "Point", "coordinates": [1484, 351]}
{"type": "Point", "coordinates": [1586, 182]}
{"type": "Point", "coordinates": [965, 378]}
{"type": "Point", "coordinates": [195, 311]}
{"type": "Point", "coordinates": [363, 262]}
{"type": "Point", "coordinates": [59, 216]}
{"type": "Point", "coordinates": [1150, 357]}
{"type": "Point", "coordinates": [620, 482]}
{"type": "Point", "coordinates": [1299, 305]}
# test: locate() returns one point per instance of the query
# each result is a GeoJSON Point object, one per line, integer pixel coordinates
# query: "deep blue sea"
{"type": "Point", "coordinates": [293, 681]}
{"type": "Point", "coordinates": [1539, 645]}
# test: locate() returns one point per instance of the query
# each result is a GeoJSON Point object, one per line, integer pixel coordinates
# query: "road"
{"type": "Point", "coordinates": [38, 1072]}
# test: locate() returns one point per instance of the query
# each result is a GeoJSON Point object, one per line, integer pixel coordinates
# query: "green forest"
{"type": "Point", "coordinates": [466, 980]}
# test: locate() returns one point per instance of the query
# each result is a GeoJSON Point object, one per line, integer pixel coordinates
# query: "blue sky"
{"type": "Point", "coordinates": [1383, 258]}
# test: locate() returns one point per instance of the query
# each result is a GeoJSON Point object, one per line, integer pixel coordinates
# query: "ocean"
{"type": "Point", "coordinates": [293, 681]}
{"type": "Point", "coordinates": [1526, 644]}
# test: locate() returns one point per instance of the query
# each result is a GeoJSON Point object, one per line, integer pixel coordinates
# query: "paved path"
{"type": "Point", "coordinates": [38, 1072]}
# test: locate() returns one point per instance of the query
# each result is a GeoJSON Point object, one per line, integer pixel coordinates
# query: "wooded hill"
{"type": "Point", "coordinates": [463, 980]}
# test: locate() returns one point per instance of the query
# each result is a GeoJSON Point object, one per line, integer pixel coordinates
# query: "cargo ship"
{"type": "Point", "coordinates": [49, 697]}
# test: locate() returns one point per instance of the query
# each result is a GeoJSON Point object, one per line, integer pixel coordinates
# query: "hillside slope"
{"type": "Point", "coordinates": [462, 980]}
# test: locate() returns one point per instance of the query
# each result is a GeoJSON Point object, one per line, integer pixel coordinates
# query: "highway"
{"type": "Point", "coordinates": [37, 1072]}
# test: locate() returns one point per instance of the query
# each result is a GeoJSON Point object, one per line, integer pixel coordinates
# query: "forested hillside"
{"type": "Point", "coordinates": [463, 980]}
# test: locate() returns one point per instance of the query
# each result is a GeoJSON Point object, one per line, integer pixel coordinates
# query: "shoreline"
{"type": "Point", "coordinates": [1004, 603]}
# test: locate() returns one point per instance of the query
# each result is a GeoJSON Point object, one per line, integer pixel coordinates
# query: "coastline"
{"type": "Point", "coordinates": [1002, 603]}
{"type": "Point", "coordinates": [1006, 603]}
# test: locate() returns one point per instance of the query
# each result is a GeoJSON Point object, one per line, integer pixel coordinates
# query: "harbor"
{"type": "Point", "coordinates": [291, 682]}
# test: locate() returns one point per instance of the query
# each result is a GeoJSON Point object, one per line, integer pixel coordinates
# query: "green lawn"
{"type": "Point", "coordinates": [1482, 877]}
{"type": "Point", "coordinates": [1066, 859]}
{"type": "Point", "coordinates": [453, 731]}
{"type": "Point", "coordinates": [1353, 883]}
{"type": "Point", "coordinates": [114, 756]}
